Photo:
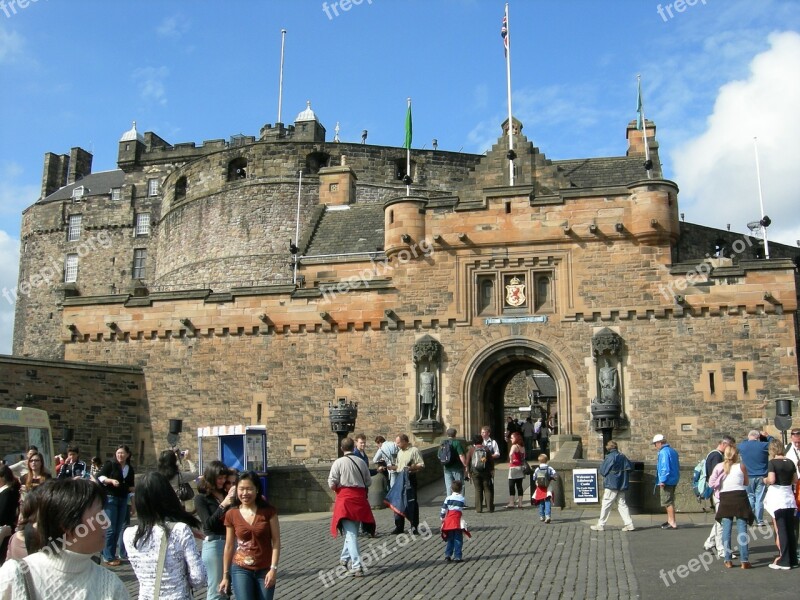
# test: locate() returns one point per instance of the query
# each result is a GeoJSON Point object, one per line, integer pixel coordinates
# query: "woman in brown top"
{"type": "Point", "coordinates": [252, 543]}
{"type": "Point", "coordinates": [37, 473]}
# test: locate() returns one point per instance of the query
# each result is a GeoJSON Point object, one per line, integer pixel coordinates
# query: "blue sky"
{"type": "Point", "coordinates": [714, 75]}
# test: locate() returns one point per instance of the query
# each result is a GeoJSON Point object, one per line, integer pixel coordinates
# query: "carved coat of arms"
{"type": "Point", "coordinates": [515, 292]}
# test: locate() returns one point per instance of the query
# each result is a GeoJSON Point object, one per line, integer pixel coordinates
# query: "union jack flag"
{"type": "Point", "coordinates": [504, 34]}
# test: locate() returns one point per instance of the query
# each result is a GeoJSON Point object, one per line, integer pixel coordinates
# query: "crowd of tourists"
{"type": "Point", "coordinates": [53, 527]}
{"type": "Point", "coordinates": [63, 536]}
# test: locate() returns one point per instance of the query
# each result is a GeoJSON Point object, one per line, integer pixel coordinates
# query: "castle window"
{"type": "Point", "coordinates": [74, 228]}
{"type": "Point", "coordinates": [721, 249]}
{"type": "Point", "coordinates": [485, 304]}
{"type": "Point", "coordinates": [116, 194]}
{"type": "Point", "coordinates": [139, 260]}
{"type": "Point", "coordinates": [334, 187]}
{"type": "Point", "coordinates": [71, 268]}
{"type": "Point", "coordinates": [142, 224]}
{"type": "Point", "coordinates": [543, 292]}
{"type": "Point", "coordinates": [317, 160]}
{"type": "Point", "coordinates": [180, 188]}
{"type": "Point", "coordinates": [400, 169]}
{"type": "Point", "coordinates": [152, 187]}
{"type": "Point", "coordinates": [237, 169]}
{"type": "Point", "coordinates": [77, 193]}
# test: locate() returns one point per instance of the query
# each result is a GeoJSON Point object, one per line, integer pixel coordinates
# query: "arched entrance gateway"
{"type": "Point", "coordinates": [494, 367]}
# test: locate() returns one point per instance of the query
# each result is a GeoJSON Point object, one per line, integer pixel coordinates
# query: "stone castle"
{"type": "Point", "coordinates": [262, 280]}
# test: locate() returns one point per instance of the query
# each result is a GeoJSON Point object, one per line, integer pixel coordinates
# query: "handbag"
{"type": "Point", "coordinates": [526, 469]}
{"type": "Point", "coordinates": [185, 491]}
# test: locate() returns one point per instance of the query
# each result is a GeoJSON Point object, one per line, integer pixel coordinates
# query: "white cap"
{"type": "Point", "coordinates": [658, 438]}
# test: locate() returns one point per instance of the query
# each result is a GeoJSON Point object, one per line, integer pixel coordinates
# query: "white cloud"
{"type": "Point", "coordinates": [11, 45]}
{"type": "Point", "coordinates": [173, 27]}
{"type": "Point", "coordinates": [9, 266]}
{"type": "Point", "coordinates": [716, 169]}
{"type": "Point", "coordinates": [151, 84]}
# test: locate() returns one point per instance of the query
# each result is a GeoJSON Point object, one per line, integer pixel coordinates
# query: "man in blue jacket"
{"type": "Point", "coordinates": [615, 470]}
{"type": "Point", "coordinates": [755, 456]}
{"type": "Point", "coordinates": [668, 472]}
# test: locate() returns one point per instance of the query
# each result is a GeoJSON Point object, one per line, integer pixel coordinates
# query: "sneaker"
{"type": "Point", "coordinates": [629, 528]}
{"type": "Point", "coordinates": [458, 560]}
{"type": "Point", "coordinates": [597, 528]}
{"type": "Point", "coordinates": [359, 572]}
{"type": "Point", "coordinates": [541, 519]}
{"type": "Point", "coordinates": [547, 519]}
{"type": "Point", "coordinates": [779, 567]}
{"type": "Point", "coordinates": [344, 563]}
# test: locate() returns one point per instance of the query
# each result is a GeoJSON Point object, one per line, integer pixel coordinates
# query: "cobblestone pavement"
{"type": "Point", "coordinates": [513, 555]}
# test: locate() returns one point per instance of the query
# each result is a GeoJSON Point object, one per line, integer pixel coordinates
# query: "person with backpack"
{"type": "Point", "coordinates": [480, 469]}
{"type": "Point", "coordinates": [615, 470]}
{"type": "Point", "coordinates": [703, 490]}
{"type": "Point", "coordinates": [541, 495]}
{"type": "Point", "coordinates": [453, 458]}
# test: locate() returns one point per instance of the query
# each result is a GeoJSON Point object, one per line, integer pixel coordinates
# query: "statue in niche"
{"type": "Point", "coordinates": [427, 395]}
{"type": "Point", "coordinates": [609, 383]}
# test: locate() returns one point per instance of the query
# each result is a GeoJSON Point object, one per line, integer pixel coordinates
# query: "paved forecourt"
{"type": "Point", "coordinates": [513, 555]}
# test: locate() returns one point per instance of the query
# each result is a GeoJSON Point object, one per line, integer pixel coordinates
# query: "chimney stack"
{"type": "Point", "coordinates": [80, 163]}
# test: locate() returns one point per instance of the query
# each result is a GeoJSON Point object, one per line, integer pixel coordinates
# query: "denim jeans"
{"type": "Point", "coordinates": [212, 559]}
{"type": "Point", "coordinates": [116, 510]}
{"type": "Point", "coordinates": [544, 507]}
{"type": "Point", "coordinates": [741, 538]}
{"type": "Point", "coordinates": [249, 584]}
{"type": "Point", "coordinates": [451, 475]}
{"type": "Point", "coordinates": [756, 490]}
{"type": "Point", "coordinates": [123, 551]}
{"type": "Point", "coordinates": [455, 540]}
{"type": "Point", "coordinates": [350, 550]}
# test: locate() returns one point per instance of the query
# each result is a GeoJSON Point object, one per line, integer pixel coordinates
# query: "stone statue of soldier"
{"type": "Point", "coordinates": [427, 395]}
{"type": "Point", "coordinates": [609, 383]}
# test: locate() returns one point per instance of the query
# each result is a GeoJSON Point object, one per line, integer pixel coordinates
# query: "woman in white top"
{"type": "Point", "coordinates": [160, 514]}
{"type": "Point", "coordinates": [70, 516]}
{"type": "Point", "coordinates": [729, 480]}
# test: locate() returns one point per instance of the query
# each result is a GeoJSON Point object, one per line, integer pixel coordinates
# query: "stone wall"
{"type": "Point", "coordinates": [106, 405]}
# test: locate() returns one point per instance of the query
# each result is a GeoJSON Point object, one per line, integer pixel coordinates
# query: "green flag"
{"type": "Point", "coordinates": [639, 120]}
{"type": "Point", "coordinates": [407, 145]}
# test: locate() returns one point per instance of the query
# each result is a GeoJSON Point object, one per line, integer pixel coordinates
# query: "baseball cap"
{"type": "Point", "coordinates": [658, 438]}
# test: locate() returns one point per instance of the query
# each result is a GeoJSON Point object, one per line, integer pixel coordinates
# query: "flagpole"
{"type": "Point", "coordinates": [761, 200]}
{"type": "Point", "coordinates": [644, 131]}
{"type": "Point", "coordinates": [408, 156]}
{"type": "Point", "coordinates": [511, 154]}
{"type": "Point", "coordinates": [280, 79]}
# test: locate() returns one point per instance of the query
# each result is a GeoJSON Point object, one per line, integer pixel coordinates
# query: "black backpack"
{"type": "Point", "coordinates": [445, 453]}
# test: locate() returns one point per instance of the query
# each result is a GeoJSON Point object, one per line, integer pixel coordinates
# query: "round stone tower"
{"type": "Point", "coordinates": [654, 211]}
{"type": "Point", "coordinates": [404, 223]}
